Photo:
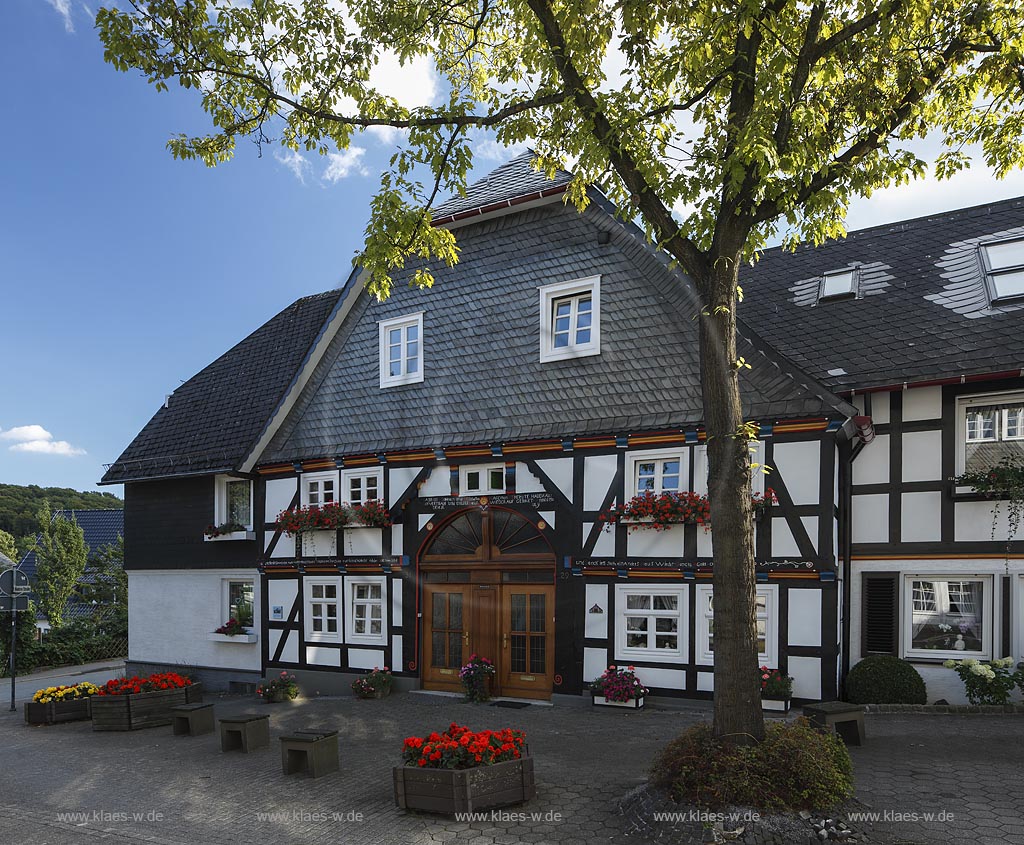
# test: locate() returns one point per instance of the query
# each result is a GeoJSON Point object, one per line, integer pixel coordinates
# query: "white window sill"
{"type": "Point", "coordinates": [568, 353]}
{"type": "Point", "coordinates": [234, 535]}
{"type": "Point", "coordinates": [244, 639]}
{"type": "Point", "coordinates": [936, 656]}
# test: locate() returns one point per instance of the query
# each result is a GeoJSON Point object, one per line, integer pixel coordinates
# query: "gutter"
{"type": "Point", "coordinates": [506, 206]}
{"type": "Point", "coordinates": [937, 382]}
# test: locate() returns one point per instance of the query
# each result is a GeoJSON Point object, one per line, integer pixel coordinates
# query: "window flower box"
{"type": "Point", "coordinates": [777, 705]}
{"type": "Point", "coordinates": [628, 704]}
{"type": "Point", "coordinates": [115, 708]}
{"type": "Point", "coordinates": [239, 639]}
{"type": "Point", "coordinates": [776, 690]}
{"type": "Point", "coordinates": [231, 535]}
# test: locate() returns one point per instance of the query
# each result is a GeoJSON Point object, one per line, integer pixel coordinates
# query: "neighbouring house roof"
{"type": "Point", "coordinates": [101, 527]}
{"type": "Point", "coordinates": [6, 562]}
{"type": "Point", "coordinates": [922, 311]}
{"type": "Point", "coordinates": [210, 423]}
{"type": "Point", "coordinates": [484, 381]}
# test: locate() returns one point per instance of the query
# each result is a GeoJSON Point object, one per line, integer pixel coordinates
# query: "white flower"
{"type": "Point", "coordinates": [978, 669]}
{"type": "Point", "coordinates": [970, 661]}
{"type": "Point", "coordinates": [950, 664]}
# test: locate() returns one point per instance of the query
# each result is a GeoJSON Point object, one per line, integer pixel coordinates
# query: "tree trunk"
{"type": "Point", "coordinates": [737, 705]}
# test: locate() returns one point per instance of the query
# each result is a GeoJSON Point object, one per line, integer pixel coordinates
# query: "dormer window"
{"type": "Point", "coordinates": [990, 428]}
{"type": "Point", "coordinates": [838, 284]}
{"type": "Point", "coordinates": [401, 350]}
{"type": "Point", "coordinates": [1004, 269]}
{"type": "Point", "coordinates": [570, 319]}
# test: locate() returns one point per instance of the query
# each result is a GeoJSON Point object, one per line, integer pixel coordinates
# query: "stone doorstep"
{"type": "Point", "coordinates": [946, 709]}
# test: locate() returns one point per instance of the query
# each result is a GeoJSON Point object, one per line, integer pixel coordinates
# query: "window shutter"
{"type": "Point", "coordinates": [880, 613]}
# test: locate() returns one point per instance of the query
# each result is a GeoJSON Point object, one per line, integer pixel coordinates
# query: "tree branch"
{"type": "Point", "coordinates": [801, 73]}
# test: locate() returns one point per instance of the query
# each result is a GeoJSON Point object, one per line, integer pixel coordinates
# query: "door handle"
{"type": "Point", "coordinates": [504, 641]}
{"type": "Point", "coordinates": [465, 638]}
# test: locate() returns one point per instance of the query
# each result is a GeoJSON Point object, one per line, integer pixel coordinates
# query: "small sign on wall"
{"type": "Point", "coordinates": [277, 611]}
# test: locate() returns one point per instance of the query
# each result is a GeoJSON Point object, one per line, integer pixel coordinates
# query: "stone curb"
{"type": "Point", "coordinates": [943, 709]}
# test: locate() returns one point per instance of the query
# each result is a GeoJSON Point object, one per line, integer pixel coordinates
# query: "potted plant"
{"type": "Point", "coordinates": [476, 678]}
{"type": "Point", "coordinates": [776, 690]}
{"type": "Point", "coordinates": [370, 514]}
{"type": "Point", "coordinates": [762, 503]}
{"type": "Point", "coordinates": [375, 684]}
{"type": "Point", "coordinates": [226, 530]}
{"type": "Point", "coordinates": [233, 631]}
{"type": "Point", "coordinates": [60, 704]}
{"type": "Point", "coordinates": [462, 771]}
{"type": "Point", "coordinates": [618, 687]}
{"type": "Point", "coordinates": [128, 704]}
{"type": "Point", "coordinates": [282, 688]}
{"type": "Point", "coordinates": [660, 511]}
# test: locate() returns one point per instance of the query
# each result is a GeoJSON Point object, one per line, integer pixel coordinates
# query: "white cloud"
{"type": "Point", "coordinates": [295, 162]}
{"type": "Point", "coordinates": [35, 438]}
{"type": "Point", "coordinates": [413, 84]}
{"type": "Point", "coordinates": [341, 164]}
{"type": "Point", "coordinates": [491, 150]}
{"type": "Point", "coordinates": [63, 8]}
{"type": "Point", "coordinates": [22, 433]}
{"type": "Point", "coordinates": [48, 447]}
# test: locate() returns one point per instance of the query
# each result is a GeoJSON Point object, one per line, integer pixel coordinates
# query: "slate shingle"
{"type": "Point", "coordinates": [510, 181]}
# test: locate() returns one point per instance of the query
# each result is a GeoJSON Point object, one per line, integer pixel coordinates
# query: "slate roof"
{"type": "Point", "coordinates": [923, 312]}
{"type": "Point", "coordinates": [213, 420]}
{"type": "Point", "coordinates": [483, 378]}
{"type": "Point", "coordinates": [100, 527]}
{"type": "Point", "coordinates": [514, 180]}
{"type": "Point", "coordinates": [6, 562]}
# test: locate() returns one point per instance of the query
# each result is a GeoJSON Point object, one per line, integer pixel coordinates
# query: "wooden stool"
{"type": "Point", "coordinates": [192, 719]}
{"type": "Point", "coordinates": [245, 734]}
{"type": "Point", "coordinates": [313, 752]}
{"type": "Point", "coordinates": [846, 719]}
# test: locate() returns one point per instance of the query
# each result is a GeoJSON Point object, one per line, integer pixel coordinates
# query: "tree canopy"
{"type": "Point", "coordinates": [19, 505]}
{"type": "Point", "coordinates": [61, 555]}
{"type": "Point", "coordinates": [754, 117]}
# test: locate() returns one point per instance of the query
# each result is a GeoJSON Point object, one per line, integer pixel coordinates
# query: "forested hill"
{"type": "Point", "coordinates": [19, 505]}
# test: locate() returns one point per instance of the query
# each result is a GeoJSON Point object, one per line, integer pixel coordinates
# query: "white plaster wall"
{"type": "Point", "coordinates": [804, 617]}
{"type": "Point", "coordinates": [598, 472]}
{"type": "Point", "coordinates": [399, 480]}
{"type": "Point", "coordinates": [363, 541]}
{"type": "Point", "coordinates": [870, 518]}
{"type": "Point", "coordinates": [806, 674]}
{"type": "Point", "coordinates": [798, 464]}
{"type": "Point", "coordinates": [424, 518]}
{"type": "Point", "coordinates": [320, 656]}
{"type": "Point", "coordinates": [281, 593]}
{"type": "Point", "coordinates": [290, 652]}
{"type": "Point", "coordinates": [880, 407]}
{"type": "Point", "coordinates": [871, 466]}
{"type": "Point", "coordinates": [647, 542]}
{"type": "Point", "coordinates": [526, 481]}
{"type": "Point", "coordinates": [922, 403]}
{"type": "Point", "coordinates": [170, 613]}
{"type": "Point", "coordinates": [320, 544]}
{"type": "Point", "coordinates": [605, 545]}
{"type": "Point", "coordinates": [784, 544]}
{"type": "Point", "coordinates": [922, 456]}
{"type": "Point", "coordinates": [706, 681]}
{"type": "Point", "coordinates": [398, 540]}
{"type": "Point", "coordinates": [548, 517]}
{"type": "Point", "coordinates": [596, 623]}
{"type": "Point", "coordinates": [664, 678]}
{"type": "Point", "coordinates": [396, 601]}
{"type": "Point", "coordinates": [438, 483]}
{"type": "Point", "coordinates": [973, 521]}
{"type": "Point", "coordinates": [705, 544]}
{"type": "Point", "coordinates": [593, 663]}
{"type": "Point", "coordinates": [285, 545]}
{"type": "Point", "coordinates": [280, 492]}
{"type": "Point", "coordinates": [365, 658]}
{"type": "Point", "coordinates": [397, 658]}
{"type": "Point", "coordinates": [559, 470]}
{"type": "Point", "coordinates": [921, 517]}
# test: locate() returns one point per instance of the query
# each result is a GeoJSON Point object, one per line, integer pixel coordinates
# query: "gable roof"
{"type": "Point", "coordinates": [6, 562]}
{"type": "Point", "coordinates": [210, 423]}
{"type": "Point", "coordinates": [483, 378]}
{"type": "Point", "coordinates": [922, 312]}
{"type": "Point", "coordinates": [101, 527]}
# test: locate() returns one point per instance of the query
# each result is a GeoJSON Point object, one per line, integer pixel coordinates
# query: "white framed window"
{"type": "Point", "coordinates": [838, 283]}
{"type": "Point", "coordinates": [570, 319]}
{"type": "Point", "coordinates": [659, 471]}
{"type": "Point", "coordinates": [319, 488]}
{"type": "Point", "coordinates": [1004, 269]}
{"type": "Point", "coordinates": [233, 501]}
{"type": "Point", "coordinates": [481, 479]}
{"type": "Point", "coordinates": [359, 486]}
{"type": "Point", "coordinates": [947, 616]}
{"type": "Point", "coordinates": [323, 609]}
{"type": "Point", "coordinates": [401, 350]}
{"type": "Point", "coordinates": [990, 427]}
{"type": "Point", "coordinates": [701, 468]}
{"type": "Point", "coordinates": [238, 601]}
{"type": "Point", "coordinates": [766, 620]}
{"type": "Point", "coordinates": [366, 621]}
{"type": "Point", "coordinates": [650, 623]}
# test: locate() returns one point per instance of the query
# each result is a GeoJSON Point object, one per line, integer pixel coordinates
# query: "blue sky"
{"type": "Point", "coordinates": [123, 272]}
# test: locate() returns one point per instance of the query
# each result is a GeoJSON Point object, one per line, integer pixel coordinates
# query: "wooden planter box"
{"type": "Point", "coordinates": [628, 704]}
{"type": "Point", "coordinates": [144, 710]}
{"type": "Point", "coordinates": [451, 791]}
{"type": "Point", "coordinates": [52, 712]}
{"type": "Point", "coordinates": [778, 705]}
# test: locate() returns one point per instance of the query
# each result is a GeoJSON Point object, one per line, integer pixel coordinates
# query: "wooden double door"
{"type": "Point", "coordinates": [511, 624]}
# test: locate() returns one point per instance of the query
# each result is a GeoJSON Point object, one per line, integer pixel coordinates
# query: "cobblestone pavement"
{"type": "Point", "coordinates": [149, 786]}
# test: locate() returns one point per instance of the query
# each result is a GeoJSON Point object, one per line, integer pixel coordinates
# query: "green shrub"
{"type": "Point", "coordinates": [796, 767]}
{"type": "Point", "coordinates": [882, 679]}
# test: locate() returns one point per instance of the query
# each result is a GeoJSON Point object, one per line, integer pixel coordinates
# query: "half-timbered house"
{"type": "Point", "coordinates": [548, 378]}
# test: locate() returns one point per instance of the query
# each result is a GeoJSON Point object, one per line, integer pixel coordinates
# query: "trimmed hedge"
{"type": "Point", "coordinates": [883, 679]}
{"type": "Point", "coordinates": [796, 767]}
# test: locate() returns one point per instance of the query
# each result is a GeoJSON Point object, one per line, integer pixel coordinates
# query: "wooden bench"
{"type": "Point", "coordinates": [313, 752]}
{"type": "Point", "coordinates": [192, 719]}
{"type": "Point", "coordinates": [844, 718]}
{"type": "Point", "coordinates": [245, 734]}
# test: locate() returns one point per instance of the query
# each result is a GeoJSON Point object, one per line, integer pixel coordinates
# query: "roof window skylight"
{"type": "Point", "coordinates": [1004, 268]}
{"type": "Point", "coordinates": [838, 283]}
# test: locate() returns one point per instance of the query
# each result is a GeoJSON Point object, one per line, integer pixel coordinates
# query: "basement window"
{"type": "Point", "coordinates": [838, 284]}
{"type": "Point", "coordinates": [1004, 269]}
